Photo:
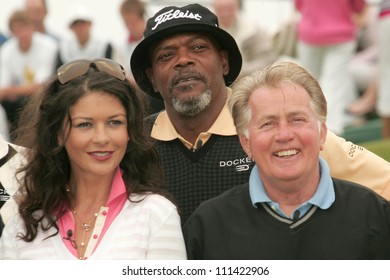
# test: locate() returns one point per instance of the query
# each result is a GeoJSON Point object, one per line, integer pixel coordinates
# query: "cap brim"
{"type": "Point", "coordinates": [139, 61]}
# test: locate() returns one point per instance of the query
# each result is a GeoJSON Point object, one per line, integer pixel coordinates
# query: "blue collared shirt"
{"type": "Point", "coordinates": [323, 197]}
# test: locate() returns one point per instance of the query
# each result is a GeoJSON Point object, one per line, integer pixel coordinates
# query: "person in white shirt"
{"type": "Point", "coordinates": [253, 40]}
{"type": "Point", "coordinates": [82, 42]}
{"type": "Point", "coordinates": [133, 14]}
{"type": "Point", "coordinates": [38, 12]}
{"type": "Point", "coordinates": [26, 61]}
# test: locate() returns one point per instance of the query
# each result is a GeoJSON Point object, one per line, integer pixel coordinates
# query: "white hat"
{"type": "Point", "coordinates": [79, 13]}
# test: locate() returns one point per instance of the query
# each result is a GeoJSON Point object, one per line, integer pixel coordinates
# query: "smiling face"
{"type": "Point", "coordinates": [98, 135]}
{"type": "Point", "coordinates": [285, 137]}
{"type": "Point", "coordinates": [188, 69]}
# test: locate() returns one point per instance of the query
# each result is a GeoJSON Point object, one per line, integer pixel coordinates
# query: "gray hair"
{"type": "Point", "coordinates": [274, 76]}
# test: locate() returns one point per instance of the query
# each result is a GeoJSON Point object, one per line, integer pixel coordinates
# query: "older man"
{"type": "Point", "coordinates": [291, 207]}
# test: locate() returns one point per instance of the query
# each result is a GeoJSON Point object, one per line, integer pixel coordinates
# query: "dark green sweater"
{"type": "Point", "coordinates": [193, 177]}
{"type": "Point", "coordinates": [356, 226]}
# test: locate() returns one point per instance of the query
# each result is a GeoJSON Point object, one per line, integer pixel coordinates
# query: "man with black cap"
{"type": "Point", "coordinates": [189, 62]}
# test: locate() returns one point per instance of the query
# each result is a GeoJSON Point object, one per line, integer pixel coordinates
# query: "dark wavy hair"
{"type": "Point", "coordinates": [47, 172]}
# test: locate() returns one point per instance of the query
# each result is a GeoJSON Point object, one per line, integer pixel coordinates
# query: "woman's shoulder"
{"type": "Point", "coordinates": [152, 207]}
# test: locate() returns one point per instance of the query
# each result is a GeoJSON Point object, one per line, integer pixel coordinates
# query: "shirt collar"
{"type": "Point", "coordinates": [164, 130]}
{"type": "Point", "coordinates": [323, 197]}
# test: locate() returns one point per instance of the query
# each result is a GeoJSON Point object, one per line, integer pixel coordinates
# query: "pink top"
{"type": "Point", "coordinates": [325, 22]}
{"type": "Point", "coordinates": [107, 214]}
{"type": "Point", "coordinates": [384, 8]}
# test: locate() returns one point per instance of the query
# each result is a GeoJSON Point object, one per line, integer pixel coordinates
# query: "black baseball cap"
{"type": "Point", "coordinates": [172, 20]}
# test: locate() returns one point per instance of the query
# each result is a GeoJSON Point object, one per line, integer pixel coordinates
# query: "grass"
{"type": "Point", "coordinates": [380, 147]}
{"type": "Point", "coordinates": [369, 136]}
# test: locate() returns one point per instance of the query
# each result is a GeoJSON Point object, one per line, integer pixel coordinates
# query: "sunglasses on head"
{"type": "Point", "coordinates": [77, 68]}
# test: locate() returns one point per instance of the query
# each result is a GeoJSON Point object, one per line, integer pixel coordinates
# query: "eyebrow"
{"type": "Point", "coordinates": [191, 38]}
{"type": "Point", "coordinates": [289, 115]}
{"type": "Point", "coordinates": [89, 118]}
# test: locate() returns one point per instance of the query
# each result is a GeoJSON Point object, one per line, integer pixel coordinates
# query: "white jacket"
{"type": "Point", "coordinates": [149, 229]}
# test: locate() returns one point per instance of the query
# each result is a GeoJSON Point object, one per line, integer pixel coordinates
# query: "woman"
{"type": "Point", "coordinates": [92, 185]}
{"type": "Point", "coordinates": [327, 39]}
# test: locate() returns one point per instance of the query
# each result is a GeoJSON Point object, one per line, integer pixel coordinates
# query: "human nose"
{"type": "Point", "coordinates": [183, 58]}
{"type": "Point", "coordinates": [284, 132]}
{"type": "Point", "coordinates": [101, 135]}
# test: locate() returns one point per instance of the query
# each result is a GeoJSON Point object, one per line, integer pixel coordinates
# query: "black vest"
{"type": "Point", "coordinates": [195, 176]}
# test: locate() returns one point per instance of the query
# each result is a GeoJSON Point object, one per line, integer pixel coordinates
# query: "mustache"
{"type": "Point", "coordinates": [186, 75]}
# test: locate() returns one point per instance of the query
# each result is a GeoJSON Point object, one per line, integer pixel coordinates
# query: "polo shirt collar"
{"type": "Point", "coordinates": [164, 130]}
{"type": "Point", "coordinates": [323, 197]}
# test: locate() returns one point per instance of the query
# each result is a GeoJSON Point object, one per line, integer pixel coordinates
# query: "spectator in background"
{"type": "Point", "coordinates": [365, 63]}
{"type": "Point", "coordinates": [133, 13]}
{"type": "Point", "coordinates": [291, 207]}
{"type": "Point", "coordinates": [26, 60]}
{"type": "Point", "coordinates": [383, 101]}
{"type": "Point", "coordinates": [327, 40]}
{"type": "Point", "coordinates": [38, 11]}
{"type": "Point", "coordinates": [4, 129]}
{"type": "Point", "coordinates": [82, 44]}
{"type": "Point", "coordinates": [3, 38]}
{"type": "Point", "coordinates": [377, 95]}
{"type": "Point", "coordinates": [254, 42]}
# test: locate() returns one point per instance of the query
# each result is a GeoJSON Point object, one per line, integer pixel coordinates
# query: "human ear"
{"type": "Point", "coordinates": [323, 133]}
{"type": "Point", "coordinates": [245, 145]}
{"type": "Point", "coordinates": [225, 62]}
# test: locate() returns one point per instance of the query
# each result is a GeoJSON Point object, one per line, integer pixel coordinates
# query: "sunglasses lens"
{"type": "Point", "coordinates": [72, 70]}
{"type": "Point", "coordinates": [110, 67]}
{"type": "Point", "coordinates": [78, 68]}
